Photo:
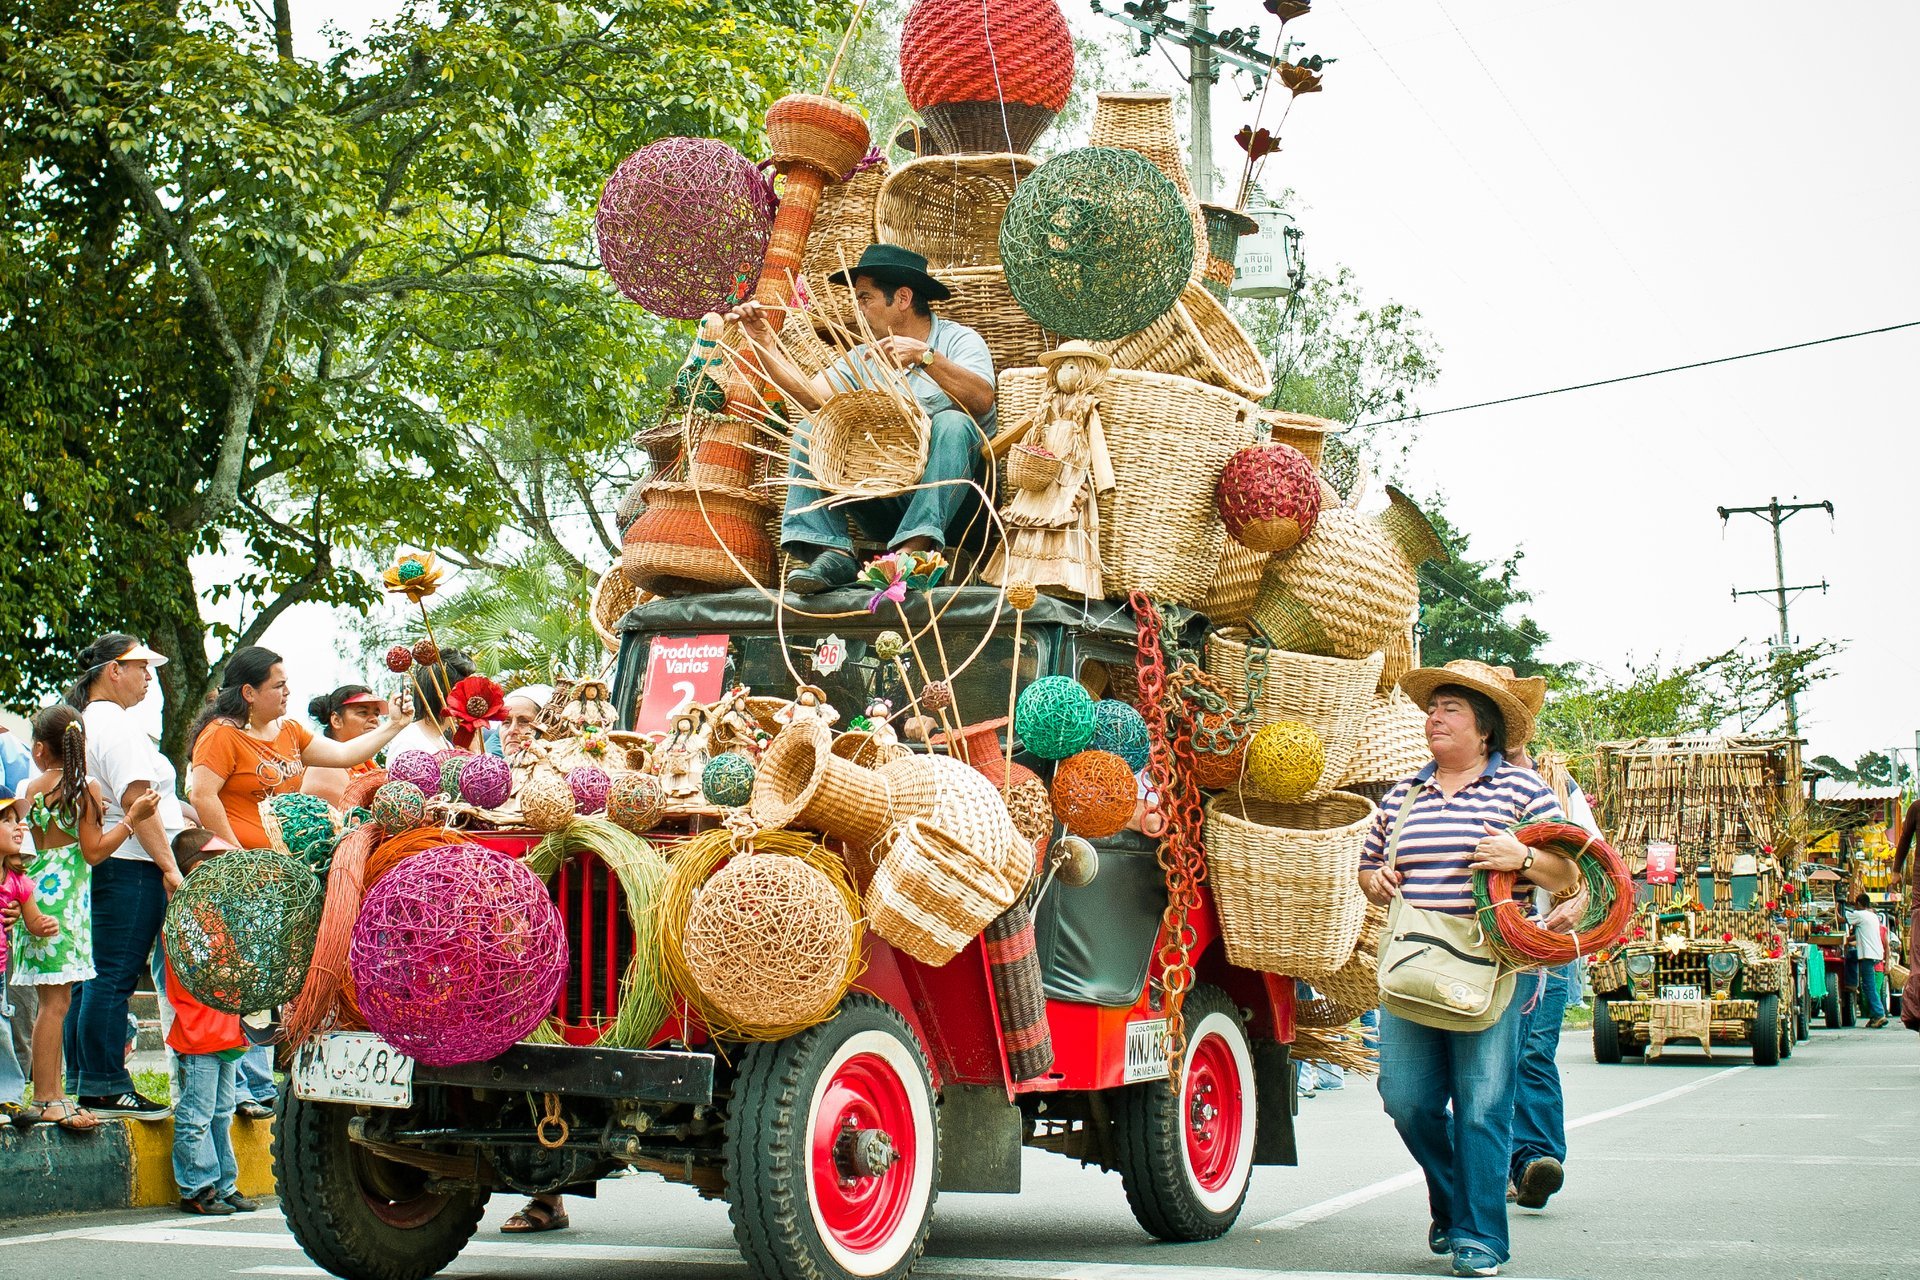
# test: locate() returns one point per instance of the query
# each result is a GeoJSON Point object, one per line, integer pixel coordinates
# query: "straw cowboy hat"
{"type": "Point", "coordinates": [1078, 350]}
{"type": "Point", "coordinates": [1519, 700]}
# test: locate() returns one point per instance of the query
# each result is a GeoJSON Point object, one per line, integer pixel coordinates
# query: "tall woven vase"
{"type": "Point", "coordinates": [986, 75]}
{"type": "Point", "coordinates": [816, 141]}
{"type": "Point", "coordinates": [1348, 589]}
{"type": "Point", "coordinates": [1143, 122]}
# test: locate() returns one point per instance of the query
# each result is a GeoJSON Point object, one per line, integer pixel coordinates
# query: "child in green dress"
{"type": "Point", "coordinates": [65, 811]}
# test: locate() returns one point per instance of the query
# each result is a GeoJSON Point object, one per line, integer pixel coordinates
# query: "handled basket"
{"type": "Point", "coordinates": [948, 208]}
{"type": "Point", "coordinates": [932, 893]}
{"type": "Point", "coordinates": [1196, 339]}
{"type": "Point", "coordinates": [1286, 880]}
{"type": "Point", "coordinates": [1329, 695]}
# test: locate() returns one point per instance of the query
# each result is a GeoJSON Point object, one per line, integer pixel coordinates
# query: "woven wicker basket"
{"type": "Point", "coordinates": [1032, 468]}
{"type": "Point", "coordinates": [1196, 339]}
{"type": "Point", "coordinates": [1329, 695]}
{"type": "Point", "coordinates": [1305, 433]}
{"type": "Point", "coordinates": [1286, 880]}
{"type": "Point", "coordinates": [801, 783]}
{"type": "Point", "coordinates": [1168, 439]}
{"type": "Point", "coordinates": [1354, 987]}
{"type": "Point", "coordinates": [613, 596]}
{"type": "Point", "coordinates": [681, 542]}
{"type": "Point", "coordinates": [867, 442]}
{"type": "Point", "coordinates": [1393, 742]}
{"type": "Point", "coordinates": [960, 801]}
{"type": "Point", "coordinates": [982, 302]}
{"type": "Point", "coordinates": [1348, 588]}
{"type": "Point", "coordinates": [863, 750]}
{"type": "Point", "coordinates": [932, 893]}
{"type": "Point", "coordinates": [842, 228]}
{"type": "Point", "coordinates": [1402, 654]}
{"type": "Point", "coordinates": [1235, 584]}
{"type": "Point", "coordinates": [1143, 122]}
{"type": "Point", "coordinates": [948, 208]}
{"type": "Point", "coordinates": [817, 132]}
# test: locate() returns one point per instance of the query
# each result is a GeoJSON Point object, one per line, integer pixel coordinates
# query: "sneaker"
{"type": "Point", "coordinates": [1538, 1181]}
{"type": "Point", "coordinates": [828, 570]}
{"type": "Point", "coordinates": [131, 1103]}
{"type": "Point", "coordinates": [1438, 1240]}
{"type": "Point", "coordinates": [251, 1110]}
{"type": "Point", "coordinates": [204, 1201]}
{"type": "Point", "coordinates": [240, 1203]}
{"type": "Point", "coordinates": [1472, 1260]}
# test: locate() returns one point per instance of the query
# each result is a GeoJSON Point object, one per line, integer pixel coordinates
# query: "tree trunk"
{"type": "Point", "coordinates": [187, 676]}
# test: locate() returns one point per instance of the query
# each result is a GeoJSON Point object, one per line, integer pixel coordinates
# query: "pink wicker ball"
{"type": "Point", "coordinates": [1269, 497]}
{"type": "Point", "coordinates": [417, 767]}
{"type": "Point", "coordinates": [590, 785]}
{"type": "Point", "coordinates": [457, 954]}
{"type": "Point", "coordinates": [683, 225]}
{"type": "Point", "coordinates": [485, 781]}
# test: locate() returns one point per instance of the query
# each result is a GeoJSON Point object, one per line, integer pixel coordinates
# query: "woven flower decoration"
{"type": "Point", "coordinates": [416, 575]}
{"type": "Point", "coordinates": [893, 575]}
{"type": "Point", "coordinates": [475, 702]}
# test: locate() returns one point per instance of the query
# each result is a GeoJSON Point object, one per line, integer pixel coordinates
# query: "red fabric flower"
{"type": "Point", "coordinates": [472, 704]}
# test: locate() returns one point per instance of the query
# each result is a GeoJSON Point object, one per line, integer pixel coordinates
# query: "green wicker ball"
{"type": "Point", "coordinates": [728, 780]}
{"type": "Point", "coordinates": [1120, 729]}
{"type": "Point", "coordinates": [240, 932]}
{"type": "Point", "coordinates": [1054, 717]}
{"type": "Point", "coordinates": [1285, 761]}
{"type": "Point", "coordinates": [1097, 244]}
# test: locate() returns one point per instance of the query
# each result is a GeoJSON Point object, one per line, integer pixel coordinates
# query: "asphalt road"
{"type": "Point", "coordinates": [1708, 1169]}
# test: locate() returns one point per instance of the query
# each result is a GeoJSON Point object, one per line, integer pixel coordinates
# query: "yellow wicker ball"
{"type": "Point", "coordinates": [547, 802]}
{"type": "Point", "coordinates": [1285, 761]}
{"type": "Point", "coordinates": [768, 940]}
{"type": "Point", "coordinates": [1021, 594]}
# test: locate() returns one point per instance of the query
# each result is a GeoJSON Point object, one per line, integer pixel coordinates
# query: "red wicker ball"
{"type": "Point", "coordinates": [426, 653]}
{"type": "Point", "coordinates": [399, 659]}
{"type": "Point", "coordinates": [945, 55]}
{"type": "Point", "coordinates": [1094, 793]}
{"type": "Point", "coordinates": [1269, 497]}
{"type": "Point", "coordinates": [683, 226]}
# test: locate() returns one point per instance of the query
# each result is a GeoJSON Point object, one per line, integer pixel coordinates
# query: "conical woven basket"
{"type": "Point", "coordinates": [1393, 742]}
{"type": "Point", "coordinates": [1286, 880]}
{"type": "Point", "coordinates": [1354, 987]}
{"type": "Point", "coordinates": [1196, 338]}
{"type": "Point", "coordinates": [933, 893]}
{"type": "Point", "coordinates": [801, 783]}
{"type": "Point", "coordinates": [1329, 695]}
{"type": "Point", "coordinates": [1235, 584]}
{"type": "Point", "coordinates": [948, 208]}
{"type": "Point", "coordinates": [1345, 591]}
{"type": "Point", "coordinates": [1143, 122]}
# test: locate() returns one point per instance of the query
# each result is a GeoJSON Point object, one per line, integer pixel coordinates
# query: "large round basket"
{"type": "Point", "coordinates": [1197, 339]}
{"type": "Point", "coordinates": [948, 208]}
{"type": "Point", "coordinates": [823, 134]}
{"type": "Point", "coordinates": [1143, 122]}
{"type": "Point", "coordinates": [986, 75]}
{"type": "Point", "coordinates": [933, 893]}
{"type": "Point", "coordinates": [1168, 439]}
{"type": "Point", "coordinates": [842, 227]}
{"type": "Point", "coordinates": [1286, 880]}
{"type": "Point", "coordinates": [867, 443]}
{"type": "Point", "coordinates": [1329, 695]}
{"type": "Point", "coordinates": [982, 302]}
{"type": "Point", "coordinates": [691, 540]}
{"type": "Point", "coordinates": [1393, 742]}
{"type": "Point", "coordinates": [1348, 588]}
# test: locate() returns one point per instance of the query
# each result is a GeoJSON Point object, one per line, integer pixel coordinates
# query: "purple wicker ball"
{"type": "Point", "coordinates": [683, 225]}
{"type": "Point", "coordinates": [417, 767]}
{"type": "Point", "coordinates": [590, 785]}
{"type": "Point", "coordinates": [399, 806]}
{"type": "Point", "coordinates": [485, 781]}
{"type": "Point", "coordinates": [457, 954]}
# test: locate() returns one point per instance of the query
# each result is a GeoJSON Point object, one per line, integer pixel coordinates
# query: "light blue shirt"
{"type": "Point", "coordinates": [16, 762]}
{"type": "Point", "coordinates": [956, 342]}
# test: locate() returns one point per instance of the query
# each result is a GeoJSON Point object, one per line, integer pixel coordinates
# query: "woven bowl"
{"type": "Point", "coordinates": [867, 443]}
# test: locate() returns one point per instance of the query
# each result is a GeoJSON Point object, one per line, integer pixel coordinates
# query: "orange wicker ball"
{"type": "Point", "coordinates": [1094, 793]}
{"type": "Point", "coordinates": [1215, 770]}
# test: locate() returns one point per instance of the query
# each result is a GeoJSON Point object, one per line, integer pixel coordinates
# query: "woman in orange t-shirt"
{"type": "Point", "coordinates": [245, 749]}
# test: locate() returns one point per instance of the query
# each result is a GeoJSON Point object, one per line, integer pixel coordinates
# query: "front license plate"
{"type": "Point", "coordinates": [1680, 993]}
{"type": "Point", "coordinates": [352, 1066]}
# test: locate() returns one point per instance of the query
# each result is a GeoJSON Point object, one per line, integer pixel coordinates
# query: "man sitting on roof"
{"type": "Point", "coordinates": [950, 372]}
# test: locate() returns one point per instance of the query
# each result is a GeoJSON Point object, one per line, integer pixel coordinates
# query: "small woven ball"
{"type": "Point", "coordinates": [1022, 595]}
{"type": "Point", "coordinates": [1054, 717]}
{"type": "Point", "coordinates": [937, 696]}
{"type": "Point", "coordinates": [1032, 811]}
{"type": "Point", "coordinates": [417, 767]}
{"type": "Point", "coordinates": [1212, 768]}
{"type": "Point", "coordinates": [590, 785]}
{"type": "Point", "coordinates": [302, 822]}
{"type": "Point", "coordinates": [888, 645]}
{"type": "Point", "coordinates": [768, 941]}
{"type": "Point", "coordinates": [399, 659]}
{"type": "Point", "coordinates": [485, 781]}
{"type": "Point", "coordinates": [547, 802]}
{"type": "Point", "coordinates": [1285, 761]}
{"type": "Point", "coordinates": [458, 953]}
{"type": "Point", "coordinates": [426, 653]}
{"type": "Point", "coordinates": [410, 569]}
{"type": "Point", "coordinates": [1094, 793]}
{"type": "Point", "coordinates": [451, 761]}
{"type": "Point", "coordinates": [1120, 729]}
{"type": "Point", "coordinates": [636, 802]}
{"type": "Point", "coordinates": [240, 932]}
{"type": "Point", "coordinates": [1269, 497]}
{"type": "Point", "coordinates": [728, 780]}
{"type": "Point", "coordinates": [683, 225]}
{"type": "Point", "coordinates": [399, 806]}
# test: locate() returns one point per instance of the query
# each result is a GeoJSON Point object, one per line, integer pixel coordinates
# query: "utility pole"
{"type": "Point", "coordinates": [1776, 514]}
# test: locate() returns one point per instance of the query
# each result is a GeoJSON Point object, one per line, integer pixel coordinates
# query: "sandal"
{"type": "Point", "coordinates": [67, 1116]}
{"type": "Point", "coordinates": [536, 1215]}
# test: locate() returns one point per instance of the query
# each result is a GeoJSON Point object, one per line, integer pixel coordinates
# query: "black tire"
{"type": "Point", "coordinates": [1786, 1032]}
{"type": "Point", "coordinates": [1765, 1036]}
{"type": "Point", "coordinates": [1847, 999]}
{"type": "Point", "coordinates": [1606, 1036]}
{"type": "Point", "coordinates": [356, 1214]}
{"type": "Point", "coordinates": [1830, 1008]}
{"type": "Point", "coordinates": [1803, 1015]}
{"type": "Point", "coordinates": [1156, 1143]}
{"type": "Point", "coordinates": [873, 1062]}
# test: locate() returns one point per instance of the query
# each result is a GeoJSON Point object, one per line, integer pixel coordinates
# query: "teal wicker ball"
{"type": "Point", "coordinates": [728, 780]}
{"type": "Point", "coordinates": [301, 826]}
{"type": "Point", "coordinates": [1097, 244]}
{"type": "Point", "coordinates": [1118, 728]}
{"type": "Point", "coordinates": [240, 932]}
{"type": "Point", "coordinates": [1054, 717]}
{"type": "Point", "coordinates": [399, 806]}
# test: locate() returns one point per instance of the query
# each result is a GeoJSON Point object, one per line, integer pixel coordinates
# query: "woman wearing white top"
{"type": "Point", "coordinates": [430, 722]}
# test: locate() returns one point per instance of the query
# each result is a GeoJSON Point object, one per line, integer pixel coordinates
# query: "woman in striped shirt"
{"type": "Point", "coordinates": [1450, 1093]}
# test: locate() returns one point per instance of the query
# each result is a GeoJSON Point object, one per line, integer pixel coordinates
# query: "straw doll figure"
{"type": "Point", "coordinates": [684, 756]}
{"type": "Point", "coordinates": [1053, 533]}
{"type": "Point", "coordinates": [809, 703]}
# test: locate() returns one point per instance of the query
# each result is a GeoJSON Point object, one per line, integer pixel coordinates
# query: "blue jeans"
{"type": "Point", "coordinates": [203, 1125]}
{"type": "Point", "coordinates": [1539, 1110]}
{"type": "Point", "coordinates": [953, 454]}
{"type": "Point", "coordinates": [13, 1081]}
{"type": "Point", "coordinates": [256, 1076]}
{"type": "Point", "coordinates": [1450, 1094]}
{"type": "Point", "coordinates": [129, 901]}
{"type": "Point", "coordinates": [1867, 980]}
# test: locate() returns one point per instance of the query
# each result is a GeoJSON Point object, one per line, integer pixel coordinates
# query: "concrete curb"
{"type": "Point", "coordinates": [126, 1164]}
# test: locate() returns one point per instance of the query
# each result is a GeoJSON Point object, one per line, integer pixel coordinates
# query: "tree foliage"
{"type": "Point", "coordinates": [1871, 769]}
{"type": "Point", "coordinates": [1475, 609]}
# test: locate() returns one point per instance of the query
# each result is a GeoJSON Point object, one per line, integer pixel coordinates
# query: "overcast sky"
{"type": "Point", "coordinates": [1565, 198]}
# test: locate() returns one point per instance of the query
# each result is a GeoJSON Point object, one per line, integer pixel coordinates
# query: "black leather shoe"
{"type": "Point", "coordinates": [204, 1201]}
{"type": "Point", "coordinates": [828, 570]}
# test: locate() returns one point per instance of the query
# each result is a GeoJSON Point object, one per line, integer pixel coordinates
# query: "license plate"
{"type": "Point", "coordinates": [1680, 993]}
{"type": "Point", "coordinates": [352, 1066]}
{"type": "Point", "coordinates": [1146, 1051]}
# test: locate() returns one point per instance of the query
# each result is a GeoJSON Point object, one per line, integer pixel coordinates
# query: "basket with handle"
{"type": "Point", "coordinates": [1350, 586]}
{"type": "Point", "coordinates": [1196, 339]}
{"type": "Point", "coordinates": [932, 893]}
{"type": "Point", "coordinates": [1286, 880]}
{"type": "Point", "coordinates": [1329, 695]}
{"type": "Point", "coordinates": [1032, 468]}
{"type": "Point", "coordinates": [948, 208]}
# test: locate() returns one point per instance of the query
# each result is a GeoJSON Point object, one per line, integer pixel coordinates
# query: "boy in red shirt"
{"type": "Point", "coordinates": [207, 1046]}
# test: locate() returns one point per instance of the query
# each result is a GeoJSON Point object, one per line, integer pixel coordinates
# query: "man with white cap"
{"type": "Point", "coordinates": [130, 888]}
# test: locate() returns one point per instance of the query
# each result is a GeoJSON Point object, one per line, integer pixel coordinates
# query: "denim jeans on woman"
{"type": "Point", "coordinates": [203, 1125]}
{"type": "Point", "coordinates": [1450, 1094]}
{"type": "Point", "coordinates": [129, 901]}
{"type": "Point", "coordinates": [1539, 1107]}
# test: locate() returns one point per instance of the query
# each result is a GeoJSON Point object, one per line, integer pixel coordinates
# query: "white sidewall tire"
{"type": "Point", "coordinates": [909, 1072]}
{"type": "Point", "coordinates": [1216, 1023]}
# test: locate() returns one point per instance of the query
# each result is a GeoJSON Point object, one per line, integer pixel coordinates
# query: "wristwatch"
{"type": "Point", "coordinates": [926, 358]}
{"type": "Point", "coordinates": [1528, 863]}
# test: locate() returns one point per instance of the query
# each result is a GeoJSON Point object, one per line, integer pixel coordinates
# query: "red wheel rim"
{"type": "Point", "coordinates": [1210, 1104]}
{"type": "Point", "coordinates": [862, 1212]}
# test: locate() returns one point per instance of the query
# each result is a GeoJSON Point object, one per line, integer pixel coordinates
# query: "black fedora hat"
{"type": "Point", "coordinates": [891, 265]}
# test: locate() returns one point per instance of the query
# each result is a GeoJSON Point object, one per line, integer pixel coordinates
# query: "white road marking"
{"type": "Point", "coordinates": [1691, 1157]}
{"type": "Point", "coordinates": [1413, 1177]}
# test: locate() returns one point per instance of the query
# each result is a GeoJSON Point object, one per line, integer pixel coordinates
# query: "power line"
{"type": "Point", "coordinates": [1651, 373]}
